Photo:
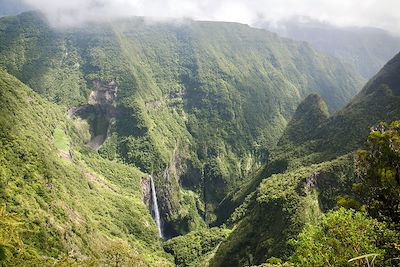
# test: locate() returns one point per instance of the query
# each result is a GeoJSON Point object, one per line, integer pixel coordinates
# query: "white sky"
{"type": "Point", "coordinates": [376, 13]}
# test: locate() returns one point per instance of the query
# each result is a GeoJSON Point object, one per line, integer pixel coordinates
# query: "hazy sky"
{"type": "Point", "coordinates": [378, 13]}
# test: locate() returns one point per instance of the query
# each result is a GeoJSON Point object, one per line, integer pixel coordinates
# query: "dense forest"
{"type": "Point", "coordinates": [252, 149]}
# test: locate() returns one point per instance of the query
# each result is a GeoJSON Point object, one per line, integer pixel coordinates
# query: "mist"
{"type": "Point", "coordinates": [373, 13]}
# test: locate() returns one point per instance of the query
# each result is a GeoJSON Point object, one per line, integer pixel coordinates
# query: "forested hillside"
{"type": "Point", "coordinates": [137, 142]}
{"type": "Point", "coordinates": [196, 104]}
{"type": "Point", "coordinates": [314, 173]}
{"type": "Point", "coordinates": [61, 203]}
{"type": "Point", "coordinates": [366, 49]}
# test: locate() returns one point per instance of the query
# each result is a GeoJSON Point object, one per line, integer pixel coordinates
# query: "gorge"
{"type": "Point", "coordinates": [189, 143]}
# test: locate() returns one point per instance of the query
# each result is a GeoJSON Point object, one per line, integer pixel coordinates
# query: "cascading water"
{"type": "Point", "coordinates": [156, 211]}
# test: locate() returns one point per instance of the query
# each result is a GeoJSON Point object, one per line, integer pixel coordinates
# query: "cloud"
{"type": "Point", "coordinates": [377, 13]}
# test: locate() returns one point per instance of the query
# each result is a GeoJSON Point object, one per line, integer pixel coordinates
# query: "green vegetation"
{"type": "Point", "coordinates": [378, 101]}
{"type": "Point", "coordinates": [283, 204]}
{"type": "Point", "coordinates": [61, 141]}
{"type": "Point", "coordinates": [260, 232]}
{"type": "Point", "coordinates": [196, 247]}
{"type": "Point", "coordinates": [266, 223]}
{"type": "Point", "coordinates": [10, 240]}
{"type": "Point", "coordinates": [201, 102]}
{"type": "Point", "coordinates": [310, 114]}
{"type": "Point", "coordinates": [378, 170]}
{"type": "Point", "coordinates": [343, 235]}
{"type": "Point", "coordinates": [204, 108]}
{"type": "Point", "coordinates": [366, 49]}
{"type": "Point", "coordinates": [58, 209]}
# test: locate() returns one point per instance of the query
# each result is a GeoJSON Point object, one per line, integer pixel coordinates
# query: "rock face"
{"type": "Point", "coordinates": [103, 94]}
{"type": "Point", "coordinates": [177, 175]}
{"type": "Point", "coordinates": [146, 191]}
{"type": "Point", "coordinates": [100, 112]}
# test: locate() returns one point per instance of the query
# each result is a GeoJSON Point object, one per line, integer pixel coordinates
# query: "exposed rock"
{"type": "Point", "coordinates": [66, 155]}
{"type": "Point", "coordinates": [152, 105]}
{"type": "Point", "coordinates": [145, 189]}
{"type": "Point", "coordinates": [171, 199]}
{"type": "Point", "coordinates": [104, 94]}
{"type": "Point", "coordinates": [100, 112]}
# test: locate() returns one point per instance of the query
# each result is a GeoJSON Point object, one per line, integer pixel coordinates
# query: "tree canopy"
{"type": "Point", "coordinates": [378, 170]}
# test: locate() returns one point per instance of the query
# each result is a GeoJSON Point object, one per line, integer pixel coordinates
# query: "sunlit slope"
{"type": "Point", "coordinates": [311, 166]}
{"type": "Point", "coordinates": [71, 204]}
{"type": "Point", "coordinates": [202, 102]}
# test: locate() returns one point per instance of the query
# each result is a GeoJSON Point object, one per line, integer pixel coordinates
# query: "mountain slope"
{"type": "Point", "coordinates": [366, 49]}
{"type": "Point", "coordinates": [309, 115]}
{"type": "Point", "coordinates": [347, 129]}
{"type": "Point", "coordinates": [197, 104]}
{"type": "Point", "coordinates": [278, 211]}
{"type": "Point", "coordinates": [269, 217]}
{"type": "Point", "coordinates": [70, 205]}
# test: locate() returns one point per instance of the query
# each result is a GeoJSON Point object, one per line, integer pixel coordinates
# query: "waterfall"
{"type": "Point", "coordinates": [156, 211]}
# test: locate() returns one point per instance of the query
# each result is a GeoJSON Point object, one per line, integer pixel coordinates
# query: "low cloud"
{"type": "Point", "coordinates": [376, 13]}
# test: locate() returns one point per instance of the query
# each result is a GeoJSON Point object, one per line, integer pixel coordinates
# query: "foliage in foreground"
{"type": "Point", "coordinates": [378, 168]}
{"type": "Point", "coordinates": [189, 249]}
{"type": "Point", "coordinates": [343, 235]}
{"type": "Point", "coordinates": [349, 237]}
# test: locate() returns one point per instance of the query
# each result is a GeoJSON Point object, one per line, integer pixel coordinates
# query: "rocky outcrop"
{"type": "Point", "coordinates": [180, 210]}
{"type": "Point", "coordinates": [145, 187]}
{"type": "Point", "coordinates": [149, 106]}
{"type": "Point", "coordinates": [103, 93]}
{"type": "Point", "coordinates": [100, 112]}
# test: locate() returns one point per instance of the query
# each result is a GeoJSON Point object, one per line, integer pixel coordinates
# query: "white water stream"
{"type": "Point", "coordinates": [156, 211]}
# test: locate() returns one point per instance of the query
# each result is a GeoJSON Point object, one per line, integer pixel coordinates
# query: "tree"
{"type": "Point", "coordinates": [378, 171]}
{"type": "Point", "coordinates": [119, 254]}
{"type": "Point", "coordinates": [343, 235]}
